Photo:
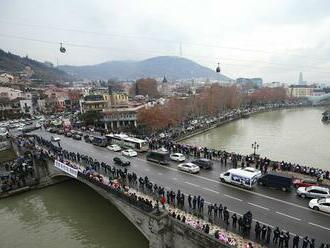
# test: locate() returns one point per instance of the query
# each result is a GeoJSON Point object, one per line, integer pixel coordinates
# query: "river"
{"type": "Point", "coordinates": [67, 215]}
{"type": "Point", "coordinates": [296, 135]}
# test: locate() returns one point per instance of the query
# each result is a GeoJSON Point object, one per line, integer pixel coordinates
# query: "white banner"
{"type": "Point", "coordinates": [63, 167]}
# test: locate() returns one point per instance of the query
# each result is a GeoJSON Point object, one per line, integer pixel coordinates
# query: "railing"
{"type": "Point", "coordinates": [119, 193]}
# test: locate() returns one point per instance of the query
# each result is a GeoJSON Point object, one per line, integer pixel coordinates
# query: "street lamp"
{"type": "Point", "coordinates": [255, 147]}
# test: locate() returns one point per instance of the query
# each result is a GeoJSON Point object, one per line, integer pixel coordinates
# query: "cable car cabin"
{"type": "Point", "coordinates": [99, 141]}
{"type": "Point", "coordinates": [124, 140]}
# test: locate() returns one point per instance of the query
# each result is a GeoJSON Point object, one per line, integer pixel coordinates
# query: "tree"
{"type": "Point", "coordinates": [146, 86]}
{"type": "Point", "coordinates": [90, 117]}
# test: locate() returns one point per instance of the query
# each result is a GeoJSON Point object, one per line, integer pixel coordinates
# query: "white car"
{"type": "Point", "coordinates": [177, 157]}
{"type": "Point", "coordinates": [189, 167]}
{"type": "Point", "coordinates": [320, 204]}
{"type": "Point", "coordinates": [114, 148]}
{"type": "Point", "coordinates": [55, 139]}
{"type": "Point", "coordinates": [313, 192]}
{"type": "Point", "coordinates": [129, 153]}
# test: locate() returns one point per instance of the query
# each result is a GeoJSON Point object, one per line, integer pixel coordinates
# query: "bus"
{"type": "Point", "coordinates": [99, 140]}
{"type": "Point", "coordinates": [126, 141]}
{"type": "Point", "coordinates": [158, 157]}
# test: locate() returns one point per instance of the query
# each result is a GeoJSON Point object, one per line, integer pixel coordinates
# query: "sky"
{"type": "Point", "coordinates": [274, 40]}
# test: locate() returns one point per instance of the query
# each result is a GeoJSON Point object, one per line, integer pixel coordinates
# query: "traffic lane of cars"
{"type": "Point", "coordinates": [234, 196]}
{"type": "Point", "coordinates": [209, 174]}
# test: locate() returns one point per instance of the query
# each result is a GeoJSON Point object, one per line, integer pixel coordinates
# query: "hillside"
{"type": "Point", "coordinates": [172, 67]}
{"type": "Point", "coordinates": [14, 64]}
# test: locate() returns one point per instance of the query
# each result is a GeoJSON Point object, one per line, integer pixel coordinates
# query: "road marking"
{"type": "Point", "coordinates": [238, 188]}
{"type": "Point", "coordinates": [211, 190]}
{"type": "Point", "coordinates": [289, 216]}
{"type": "Point", "coordinates": [174, 178]}
{"type": "Point", "coordinates": [258, 206]}
{"type": "Point", "coordinates": [195, 185]}
{"type": "Point", "coordinates": [232, 197]}
{"type": "Point", "coordinates": [323, 227]}
{"type": "Point", "coordinates": [147, 169]}
{"type": "Point", "coordinates": [160, 173]}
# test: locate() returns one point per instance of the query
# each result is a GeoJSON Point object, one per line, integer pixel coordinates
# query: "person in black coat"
{"type": "Point", "coordinates": [269, 234]}
{"type": "Point", "coordinates": [234, 218]}
{"type": "Point", "coordinates": [305, 242]}
{"type": "Point", "coordinates": [263, 232]}
{"type": "Point", "coordinates": [295, 241]}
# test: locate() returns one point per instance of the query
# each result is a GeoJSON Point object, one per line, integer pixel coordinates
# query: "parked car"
{"type": "Point", "coordinates": [189, 167]}
{"type": "Point", "coordinates": [87, 138]}
{"type": "Point", "coordinates": [177, 157]}
{"type": "Point", "coordinates": [68, 134]}
{"type": "Point", "coordinates": [76, 136]}
{"type": "Point", "coordinates": [203, 163]}
{"type": "Point", "coordinates": [55, 139]}
{"type": "Point", "coordinates": [114, 147]}
{"type": "Point", "coordinates": [60, 131]}
{"type": "Point", "coordinates": [304, 183]}
{"type": "Point", "coordinates": [313, 192]}
{"type": "Point", "coordinates": [320, 204]}
{"type": "Point", "coordinates": [119, 161]}
{"type": "Point", "coordinates": [53, 130]}
{"type": "Point", "coordinates": [274, 180]}
{"type": "Point", "coordinates": [129, 153]}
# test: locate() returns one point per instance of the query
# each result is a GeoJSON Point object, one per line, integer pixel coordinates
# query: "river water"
{"type": "Point", "coordinates": [296, 135]}
{"type": "Point", "coordinates": [67, 215]}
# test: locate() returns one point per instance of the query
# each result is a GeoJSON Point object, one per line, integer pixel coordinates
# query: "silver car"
{"type": "Point", "coordinates": [313, 192]}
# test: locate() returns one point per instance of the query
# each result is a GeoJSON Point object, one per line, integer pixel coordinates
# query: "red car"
{"type": "Point", "coordinates": [304, 183]}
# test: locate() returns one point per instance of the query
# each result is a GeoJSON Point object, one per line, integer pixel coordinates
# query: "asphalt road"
{"type": "Point", "coordinates": [268, 206]}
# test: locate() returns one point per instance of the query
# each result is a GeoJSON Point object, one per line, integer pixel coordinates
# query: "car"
{"type": "Point", "coordinates": [203, 163]}
{"type": "Point", "coordinates": [177, 157]}
{"type": "Point", "coordinates": [53, 130]}
{"type": "Point", "coordinates": [313, 192]}
{"type": "Point", "coordinates": [119, 161]}
{"type": "Point", "coordinates": [55, 139]}
{"type": "Point", "coordinates": [304, 183]}
{"type": "Point", "coordinates": [68, 134]}
{"type": "Point", "coordinates": [76, 136]}
{"type": "Point", "coordinates": [189, 167]}
{"type": "Point", "coordinates": [129, 153]}
{"type": "Point", "coordinates": [320, 204]}
{"type": "Point", "coordinates": [162, 149]}
{"type": "Point", "coordinates": [114, 147]}
{"type": "Point", "coordinates": [60, 131]}
{"type": "Point", "coordinates": [275, 180]}
{"type": "Point", "coordinates": [87, 138]}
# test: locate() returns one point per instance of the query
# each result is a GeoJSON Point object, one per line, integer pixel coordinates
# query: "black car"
{"type": "Point", "coordinates": [60, 131]}
{"type": "Point", "coordinates": [53, 130]}
{"type": "Point", "coordinates": [275, 180]}
{"type": "Point", "coordinates": [68, 134]}
{"type": "Point", "coordinates": [203, 163]}
{"type": "Point", "coordinates": [119, 161]}
{"type": "Point", "coordinates": [76, 137]}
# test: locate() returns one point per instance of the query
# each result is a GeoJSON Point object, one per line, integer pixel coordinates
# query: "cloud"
{"type": "Point", "coordinates": [271, 39]}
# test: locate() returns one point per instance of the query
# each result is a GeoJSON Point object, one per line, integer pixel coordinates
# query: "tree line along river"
{"type": "Point", "coordinates": [57, 217]}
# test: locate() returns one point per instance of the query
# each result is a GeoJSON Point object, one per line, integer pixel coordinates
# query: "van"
{"type": "Point", "coordinates": [158, 157]}
{"type": "Point", "coordinates": [241, 177]}
{"type": "Point", "coordinates": [277, 181]}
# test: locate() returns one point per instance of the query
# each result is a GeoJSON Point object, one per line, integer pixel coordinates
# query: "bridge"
{"type": "Point", "coordinates": [158, 227]}
{"type": "Point", "coordinates": [319, 99]}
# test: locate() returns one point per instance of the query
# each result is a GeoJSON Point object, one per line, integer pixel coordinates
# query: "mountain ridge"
{"type": "Point", "coordinates": [170, 66]}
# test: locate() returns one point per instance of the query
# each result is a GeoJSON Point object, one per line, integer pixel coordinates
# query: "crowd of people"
{"type": "Point", "coordinates": [120, 180]}
{"type": "Point", "coordinates": [17, 173]}
{"type": "Point", "coordinates": [236, 160]}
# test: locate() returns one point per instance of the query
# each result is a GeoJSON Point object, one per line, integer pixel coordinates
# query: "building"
{"type": "Point", "coordinates": [11, 93]}
{"type": "Point", "coordinates": [95, 102]}
{"type": "Point", "coordinates": [114, 118]}
{"type": "Point", "coordinates": [255, 81]}
{"type": "Point", "coordinates": [26, 106]}
{"type": "Point", "coordinates": [6, 78]}
{"type": "Point", "coordinates": [300, 90]}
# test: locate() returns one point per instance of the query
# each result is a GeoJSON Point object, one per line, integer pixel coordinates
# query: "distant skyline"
{"type": "Point", "coordinates": [274, 40]}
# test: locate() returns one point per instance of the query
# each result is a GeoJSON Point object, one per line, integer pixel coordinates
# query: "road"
{"type": "Point", "coordinates": [268, 206]}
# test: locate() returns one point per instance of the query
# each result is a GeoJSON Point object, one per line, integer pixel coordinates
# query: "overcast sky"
{"type": "Point", "coordinates": [274, 40]}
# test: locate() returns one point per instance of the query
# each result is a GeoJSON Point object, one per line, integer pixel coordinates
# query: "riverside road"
{"type": "Point", "coordinates": [269, 206]}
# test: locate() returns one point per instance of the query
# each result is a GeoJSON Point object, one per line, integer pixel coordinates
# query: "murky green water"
{"type": "Point", "coordinates": [68, 215]}
{"type": "Point", "coordinates": [296, 135]}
